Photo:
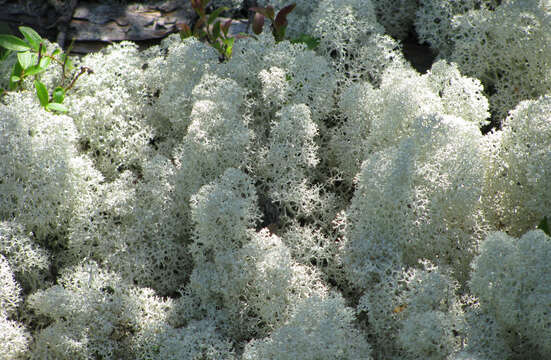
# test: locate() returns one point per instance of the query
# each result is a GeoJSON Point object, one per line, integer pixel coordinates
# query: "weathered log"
{"type": "Point", "coordinates": [101, 22]}
{"type": "Point", "coordinates": [94, 25]}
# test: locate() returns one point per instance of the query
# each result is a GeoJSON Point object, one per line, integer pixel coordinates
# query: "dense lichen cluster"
{"type": "Point", "coordinates": [286, 203]}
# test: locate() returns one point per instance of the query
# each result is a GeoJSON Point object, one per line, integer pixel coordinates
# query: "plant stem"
{"type": "Point", "coordinates": [82, 71]}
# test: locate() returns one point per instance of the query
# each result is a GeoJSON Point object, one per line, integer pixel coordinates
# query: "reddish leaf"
{"type": "Point", "coordinates": [258, 23]}
{"type": "Point", "coordinates": [226, 27]}
{"type": "Point", "coordinates": [196, 4]}
{"type": "Point", "coordinates": [199, 7]}
{"type": "Point", "coordinates": [281, 18]}
{"type": "Point", "coordinates": [198, 25]}
{"type": "Point", "coordinates": [185, 31]}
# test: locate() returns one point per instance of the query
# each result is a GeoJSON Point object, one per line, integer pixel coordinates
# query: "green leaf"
{"type": "Point", "coordinates": [279, 33]}
{"type": "Point", "coordinates": [218, 47]}
{"type": "Point", "coordinates": [42, 93]}
{"type": "Point", "coordinates": [44, 62]}
{"type": "Point", "coordinates": [57, 107]}
{"type": "Point", "coordinates": [68, 63]}
{"type": "Point", "coordinates": [15, 77]}
{"type": "Point", "coordinates": [31, 36]}
{"type": "Point", "coordinates": [11, 42]}
{"type": "Point", "coordinates": [56, 51]}
{"type": "Point", "coordinates": [216, 30]}
{"type": "Point", "coordinates": [25, 59]}
{"type": "Point", "coordinates": [34, 70]}
{"type": "Point", "coordinates": [229, 47]}
{"type": "Point", "coordinates": [310, 41]}
{"type": "Point", "coordinates": [4, 53]}
{"type": "Point", "coordinates": [215, 14]}
{"type": "Point", "coordinates": [544, 226]}
{"type": "Point", "coordinates": [70, 66]}
{"type": "Point", "coordinates": [58, 95]}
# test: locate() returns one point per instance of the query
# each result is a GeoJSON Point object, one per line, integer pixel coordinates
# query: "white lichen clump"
{"type": "Point", "coordinates": [288, 203]}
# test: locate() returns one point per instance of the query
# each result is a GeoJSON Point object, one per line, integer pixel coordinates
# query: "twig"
{"type": "Point", "coordinates": [82, 71]}
{"type": "Point", "coordinates": [65, 59]}
{"type": "Point", "coordinates": [39, 54]}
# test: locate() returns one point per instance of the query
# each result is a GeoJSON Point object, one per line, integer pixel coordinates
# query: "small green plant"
{"type": "Point", "coordinates": [279, 21]}
{"type": "Point", "coordinates": [217, 35]}
{"type": "Point", "coordinates": [279, 25]}
{"type": "Point", "coordinates": [32, 60]}
{"type": "Point", "coordinates": [310, 41]}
